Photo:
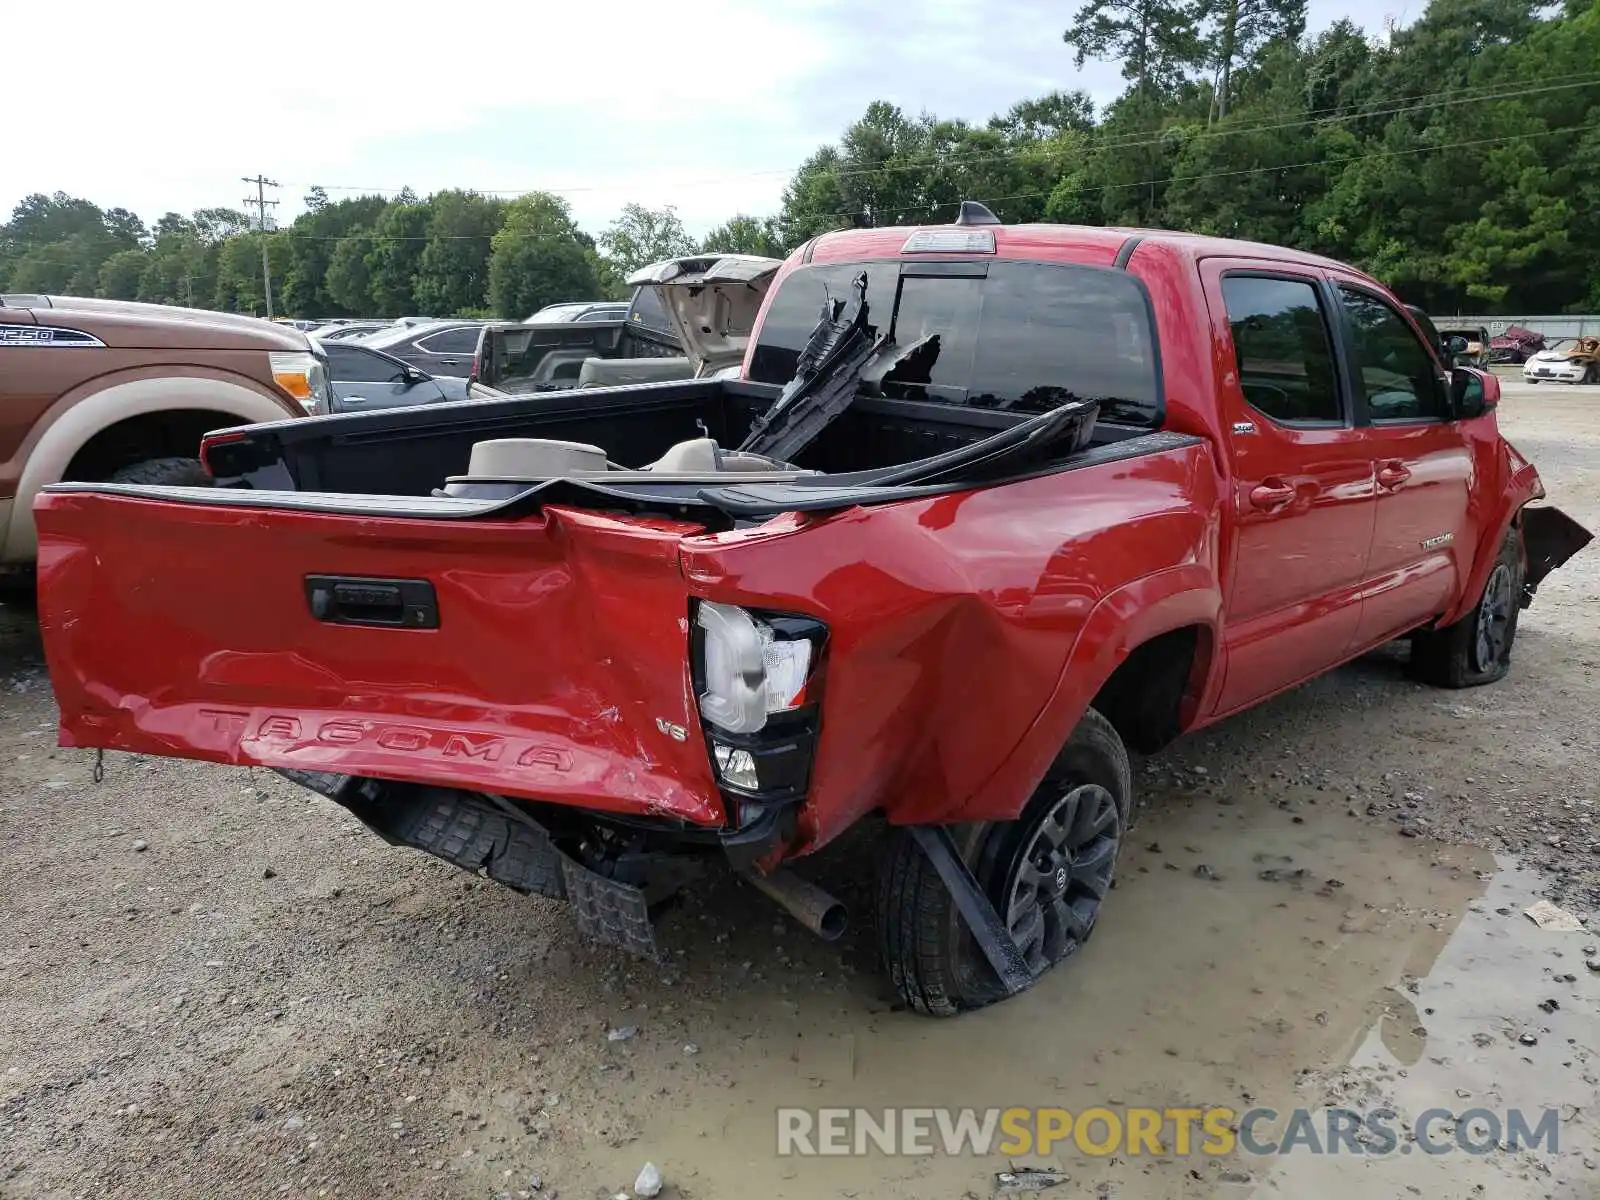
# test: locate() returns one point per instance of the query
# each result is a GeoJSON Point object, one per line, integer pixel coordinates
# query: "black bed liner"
{"type": "Point", "coordinates": [743, 501]}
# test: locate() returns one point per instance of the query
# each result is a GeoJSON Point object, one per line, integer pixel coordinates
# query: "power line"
{"type": "Point", "coordinates": [262, 204]}
{"type": "Point", "coordinates": [1315, 162]}
{"type": "Point", "coordinates": [1127, 142]}
{"type": "Point", "coordinates": [1034, 195]}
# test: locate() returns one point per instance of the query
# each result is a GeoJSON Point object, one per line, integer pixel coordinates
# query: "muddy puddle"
{"type": "Point", "coordinates": [1250, 959]}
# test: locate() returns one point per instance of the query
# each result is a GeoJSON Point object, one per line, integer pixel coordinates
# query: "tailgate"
{"type": "Point", "coordinates": [540, 657]}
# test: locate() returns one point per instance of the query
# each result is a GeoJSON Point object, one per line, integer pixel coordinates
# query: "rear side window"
{"type": "Point", "coordinates": [451, 341]}
{"type": "Point", "coordinates": [1393, 365]}
{"type": "Point", "coordinates": [1283, 350]}
{"type": "Point", "coordinates": [647, 310]}
{"type": "Point", "coordinates": [1023, 337]}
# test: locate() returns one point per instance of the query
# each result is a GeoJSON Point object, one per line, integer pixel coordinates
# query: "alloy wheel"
{"type": "Point", "coordinates": [1494, 619]}
{"type": "Point", "coordinates": [1056, 884]}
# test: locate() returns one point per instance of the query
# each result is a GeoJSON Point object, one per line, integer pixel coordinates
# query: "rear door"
{"type": "Point", "coordinates": [1424, 535]}
{"type": "Point", "coordinates": [1302, 477]}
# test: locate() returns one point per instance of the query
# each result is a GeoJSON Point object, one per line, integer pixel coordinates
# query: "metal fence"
{"type": "Point", "coordinates": [1559, 325]}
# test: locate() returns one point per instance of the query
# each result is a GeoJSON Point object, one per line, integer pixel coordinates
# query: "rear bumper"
{"type": "Point", "coordinates": [474, 830]}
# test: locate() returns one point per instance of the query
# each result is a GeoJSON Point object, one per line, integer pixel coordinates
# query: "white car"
{"type": "Point", "coordinates": [1555, 364]}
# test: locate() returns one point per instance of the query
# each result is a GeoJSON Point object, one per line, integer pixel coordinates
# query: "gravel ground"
{"type": "Point", "coordinates": [214, 982]}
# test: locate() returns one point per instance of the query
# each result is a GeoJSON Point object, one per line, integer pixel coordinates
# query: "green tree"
{"type": "Point", "coordinates": [349, 280]}
{"type": "Point", "coordinates": [313, 240]}
{"type": "Point", "coordinates": [745, 235]}
{"type": "Point", "coordinates": [218, 224]}
{"type": "Point", "coordinates": [125, 228]}
{"type": "Point", "coordinates": [1157, 41]}
{"type": "Point", "coordinates": [48, 269]}
{"type": "Point", "coordinates": [452, 272]}
{"type": "Point", "coordinates": [1046, 117]}
{"type": "Point", "coordinates": [1241, 29]}
{"type": "Point", "coordinates": [398, 236]}
{"type": "Point", "coordinates": [239, 286]}
{"type": "Point", "coordinates": [120, 274]}
{"type": "Point", "coordinates": [537, 258]}
{"type": "Point", "coordinates": [641, 236]}
{"type": "Point", "coordinates": [40, 219]}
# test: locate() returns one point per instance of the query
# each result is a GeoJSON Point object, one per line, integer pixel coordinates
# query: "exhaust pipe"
{"type": "Point", "coordinates": [805, 902]}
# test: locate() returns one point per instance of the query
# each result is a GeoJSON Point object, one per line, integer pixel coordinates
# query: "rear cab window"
{"type": "Point", "coordinates": [1020, 337]}
{"type": "Point", "coordinates": [647, 310]}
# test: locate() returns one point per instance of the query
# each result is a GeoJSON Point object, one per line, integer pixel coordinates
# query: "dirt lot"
{"type": "Point", "coordinates": [213, 983]}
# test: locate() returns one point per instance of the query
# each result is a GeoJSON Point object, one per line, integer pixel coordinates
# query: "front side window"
{"type": "Point", "coordinates": [1017, 336]}
{"type": "Point", "coordinates": [1394, 368]}
{"type": "Point", "coordinates": [349, 364]}
{"type": "Point", "coordinates": [1282, 349]}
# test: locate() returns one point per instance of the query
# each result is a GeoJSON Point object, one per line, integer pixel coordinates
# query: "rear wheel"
{"type": "Point", "coordinates": [164, 472]}
{"type": "Point", "coordinates": [1477, 648]}
{"type": "Point", "coordinates": [1047, 873]}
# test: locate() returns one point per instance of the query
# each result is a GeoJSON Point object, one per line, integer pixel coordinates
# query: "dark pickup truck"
{"type": "Point", "coordinates": [986, 507]}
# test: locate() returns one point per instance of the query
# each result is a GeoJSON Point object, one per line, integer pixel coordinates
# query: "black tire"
{"type": "Point", "coordinates": [1591, 374]}
{"type": "Point", "coordinates": [934, 963]}
{"type": "Point", "coordinates": [1477, 648]}
{"type": "Point", "coordinates": [164, 472]}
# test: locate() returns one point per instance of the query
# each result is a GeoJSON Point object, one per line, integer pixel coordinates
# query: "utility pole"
{"type": "Point", "coordinates": [261, 202]}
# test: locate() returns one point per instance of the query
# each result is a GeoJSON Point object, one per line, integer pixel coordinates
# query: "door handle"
{"type": "Point", "coordinates": [1392, 475]}
{"type": "Point", "coordinates": [1272, 493]}
{"type": "Point", "coordinates": [386, 603]}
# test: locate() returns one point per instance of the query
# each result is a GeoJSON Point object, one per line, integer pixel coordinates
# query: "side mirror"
{"type": "Point", "coordinates": [1472, 392]}
{"type": "Point", "coordinates": [1456, 345]}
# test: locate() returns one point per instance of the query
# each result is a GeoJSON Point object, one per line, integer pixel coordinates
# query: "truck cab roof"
{"type": "Point", "coordinates": [1086, 244]}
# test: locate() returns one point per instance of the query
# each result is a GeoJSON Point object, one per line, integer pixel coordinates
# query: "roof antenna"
{"type": "Point", "coordinates": [973, 213]}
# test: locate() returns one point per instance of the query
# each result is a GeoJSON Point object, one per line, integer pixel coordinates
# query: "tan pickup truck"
{"type": "Point", "coordinates": [112, 391]}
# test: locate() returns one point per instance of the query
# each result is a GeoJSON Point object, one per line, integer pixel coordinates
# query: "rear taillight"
{"type": "Point", "coordinates": [752, 667]}
{"type": "Point", "coordinates": [212, 440]}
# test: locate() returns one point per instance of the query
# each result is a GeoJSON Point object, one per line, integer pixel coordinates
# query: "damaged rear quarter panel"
{"type": "Point", "coordinates": [953, 618]}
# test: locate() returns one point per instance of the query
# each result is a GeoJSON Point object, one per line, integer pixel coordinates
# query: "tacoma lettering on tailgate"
{"type": "Point", "coordinates": [278, 730]}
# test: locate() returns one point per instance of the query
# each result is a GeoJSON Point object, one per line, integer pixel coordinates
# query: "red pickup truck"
{"type": "Point", "coordinates": [985, 508]}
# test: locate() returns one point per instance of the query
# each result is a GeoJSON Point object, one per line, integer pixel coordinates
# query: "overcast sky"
{"type": "Point", "coordinates": [708, 106]}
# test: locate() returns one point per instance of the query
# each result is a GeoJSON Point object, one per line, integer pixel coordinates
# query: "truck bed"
{"type": "Point", "coordinates": [410, 452]}
{"type": "Point", "coordinates": [538, 646]}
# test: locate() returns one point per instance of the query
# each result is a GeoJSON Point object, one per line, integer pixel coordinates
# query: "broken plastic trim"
{"type": "Point", "coordinates": [1550, 538]}
{"type": "Point", "coordinates": [830, 366]}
